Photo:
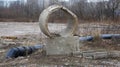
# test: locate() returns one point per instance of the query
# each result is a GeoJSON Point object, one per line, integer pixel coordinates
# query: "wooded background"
{"type": "Point", "coordinates": [29, 10]}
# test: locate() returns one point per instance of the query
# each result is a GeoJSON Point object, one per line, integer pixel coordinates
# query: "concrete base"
{"type": "Point", "coordinates": [62, 45]}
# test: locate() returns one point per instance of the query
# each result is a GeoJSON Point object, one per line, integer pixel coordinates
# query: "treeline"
{"type": "Point", "coordinates": [20, 12]}
{"type": "Point", "coordinates": [103, 10]}
{"type": "Point", "coordinates": [96, 11]}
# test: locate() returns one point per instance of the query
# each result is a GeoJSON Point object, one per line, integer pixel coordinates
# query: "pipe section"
{"type": "Point", "coordinates": [71, 27]}
{"type": "Point", "coordinates": [103, 36]}
{"type": "Point", "coordinates": [22, 51]}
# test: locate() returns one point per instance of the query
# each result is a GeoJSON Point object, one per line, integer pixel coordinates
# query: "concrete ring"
{"type": "Point", "coordinates": [69, 30]}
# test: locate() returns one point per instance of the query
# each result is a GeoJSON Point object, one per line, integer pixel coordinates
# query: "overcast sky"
{"type": "Point", "coordinates": [8, 0]}
{"type": "Point", "coordinates": [60, 0]}
{"type": "Point", "coordinates": [96, 0]}
{"type": "Point", "coordinates": [13, 0]}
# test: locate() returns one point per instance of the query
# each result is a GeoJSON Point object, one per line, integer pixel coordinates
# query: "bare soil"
{"type": "Point", "coordinates": [26, 34]}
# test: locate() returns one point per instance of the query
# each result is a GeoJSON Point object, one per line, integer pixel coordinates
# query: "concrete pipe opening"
{"type": "Point", "coordinates": [72, 25]}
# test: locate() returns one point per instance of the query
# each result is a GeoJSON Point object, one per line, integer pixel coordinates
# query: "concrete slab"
{"type": "Point", "coordinates": [62, 45]}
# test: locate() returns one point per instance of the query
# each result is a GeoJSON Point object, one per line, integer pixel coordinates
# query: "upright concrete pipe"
{"type": "Point", "coordinates": [44, 16]}
{"type": "Point", "coordinates": [43, 22]}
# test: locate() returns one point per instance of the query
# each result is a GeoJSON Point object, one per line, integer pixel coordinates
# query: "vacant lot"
{"type": "Point", "coordinates": [22, 28]}
{"type": "Point", "coordinates": [11, 29]}
{"type": "Point", "coordinates": [29, 34]}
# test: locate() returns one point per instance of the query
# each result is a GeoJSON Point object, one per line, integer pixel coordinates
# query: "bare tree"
{"type": "Point", "coordinates": [112, 6]}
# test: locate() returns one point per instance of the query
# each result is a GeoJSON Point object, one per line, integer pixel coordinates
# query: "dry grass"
{"type": "Point", "coordinates": [38, 58]}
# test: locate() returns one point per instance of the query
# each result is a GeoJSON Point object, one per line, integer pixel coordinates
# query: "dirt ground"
{"type": "Point", "coordinates": [26, 34]}
{"type": "Point", "coordinates": [18, 28]}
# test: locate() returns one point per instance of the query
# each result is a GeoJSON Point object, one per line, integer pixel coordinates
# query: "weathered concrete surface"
{"type": "Point", "coordinates": [68, 31]}
{"type": "Point", "coordinates": [62, 45]}
{"type": "Point", "coordinates": [99, 54]}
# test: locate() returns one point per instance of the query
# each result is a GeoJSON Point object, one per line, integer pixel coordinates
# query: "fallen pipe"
{"type": "Point", "coordinates": [106, 36]}
{"type": "Point", "coordinates": [103, 36]}
{"type": "Point", "coordinates": [87, 38]}
{"type": "Point", "coordinates": [22, 51]}
{"type": "Point", "coordinates": [110, 36]}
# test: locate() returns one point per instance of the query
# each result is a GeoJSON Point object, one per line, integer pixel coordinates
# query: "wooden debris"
{"type": "Point", "coordinates": [9, 37]}
{"type": "Point", "coordinates": [99, 54]}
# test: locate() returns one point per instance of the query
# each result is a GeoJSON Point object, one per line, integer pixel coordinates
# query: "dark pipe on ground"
{"type": "Point", "coordinates": [22, 51]}
{"type": "Point", "coordinates": [110, 36]}
{"type": "Point", "coordinates": [87, 38]}
{"type": "Point", "coordinates": [106, 36]}
{"type": "Point", "coordinates": [103, 36]}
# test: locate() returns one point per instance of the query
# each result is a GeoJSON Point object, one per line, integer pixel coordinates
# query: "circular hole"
{"type": "Point", "coordinates": [57, 21]}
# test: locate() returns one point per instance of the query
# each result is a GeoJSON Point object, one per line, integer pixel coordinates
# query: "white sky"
{"type": "Point", "coordinates": [60, 0]}
{"type": "Point", "coordinates": [13, 0]}
{"type": "Point", "coordinates": [64, 0]}
{"type": "Point", "coordinates": [96, 0]}
{"type": "Point", "coordinates": [8, 0]}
